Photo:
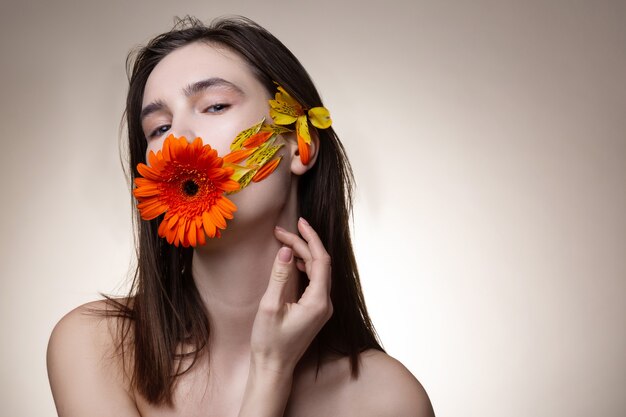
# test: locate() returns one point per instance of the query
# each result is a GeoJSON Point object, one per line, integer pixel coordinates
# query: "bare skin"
{"type": "Point", "coordinates": [260, 328]}
{"type": "Point", "coordinates": [86, 380]}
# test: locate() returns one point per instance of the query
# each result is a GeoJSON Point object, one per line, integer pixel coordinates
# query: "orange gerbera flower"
{"type": "Point", "coordinates": [286, 110]}
{"type": "Point", "coordinates": [187, 182]}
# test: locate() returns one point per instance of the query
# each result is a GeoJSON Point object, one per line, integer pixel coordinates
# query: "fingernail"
{"type": "Point", "coordinates": [280, 229]}
{"type": "Point", "coordinates": [304, 221]}
{"type": "Point", "coordinates": [284, 254]}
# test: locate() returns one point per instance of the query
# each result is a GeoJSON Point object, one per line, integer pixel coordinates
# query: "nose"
{"type": "Point", "coordinates": [183, 126]}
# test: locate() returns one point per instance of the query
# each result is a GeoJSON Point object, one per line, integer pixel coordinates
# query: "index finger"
{"type": "Point", "coordinates": [319, 278]}
{"type": "Point", "coordinates": [318, 251]}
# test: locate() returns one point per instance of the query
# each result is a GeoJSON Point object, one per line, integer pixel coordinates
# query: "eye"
{"type": "Point", "coordinates": [159, 131]}
{"type": "Point", "coordinates": [217, 108]}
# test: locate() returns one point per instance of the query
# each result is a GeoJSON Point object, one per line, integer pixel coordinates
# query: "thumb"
{"type": "Point", "coordinates": [279, 279]}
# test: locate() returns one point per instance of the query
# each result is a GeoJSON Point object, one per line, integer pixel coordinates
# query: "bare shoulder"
{"type": "Point", "coordinates": [82, 318]}
{"type": "Point", "coordinates": [384, 388]}
{"type": "Point", "coordinates": [389, 388]}
{"type": "Point", "coordinates": [84, 327]}
{"type": "Point", "coordinates": [84, 369]}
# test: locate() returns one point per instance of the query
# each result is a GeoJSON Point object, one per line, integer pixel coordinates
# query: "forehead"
{"type": "Point", "coordinates": [194, 62]}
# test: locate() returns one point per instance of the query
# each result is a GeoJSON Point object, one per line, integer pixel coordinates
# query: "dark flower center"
{"type": "Point", "coordinates": [190, 188]}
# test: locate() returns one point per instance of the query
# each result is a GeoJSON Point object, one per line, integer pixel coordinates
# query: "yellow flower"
{"type": "Point", "coordinates": [285, 110]}
{"type": "Point", "coordinates": [253, 153]}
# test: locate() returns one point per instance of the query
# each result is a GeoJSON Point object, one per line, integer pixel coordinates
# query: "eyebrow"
{"type": "Point", "coordinates": [199, 86]}
{"type": "Point", "coordinates": [151, 108]}
{"type": "Point", "coordinates": [190, 90]}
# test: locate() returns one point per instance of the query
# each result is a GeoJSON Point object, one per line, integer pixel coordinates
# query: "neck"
{"type": "Point", "coordinates": [231, 282]}
{"type": "Point", "coordinates": [232, 273]}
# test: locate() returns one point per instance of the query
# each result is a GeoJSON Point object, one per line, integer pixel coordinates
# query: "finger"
{"type": "Point", "coordinates": [276, 292]}
{"type": "Point", "coordinates": [310, 235]}
{"type": "Point", "coordinates": [318, 270]}
{"type": "Point", "coordinates": [300, 265]}
{"type": "Point", "coordinates": [299, 246]}
{"type": "Point", "coordinates": [320, 265]}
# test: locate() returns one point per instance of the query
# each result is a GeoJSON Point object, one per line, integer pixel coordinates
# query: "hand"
{"type": "Point", "coordinates": [283, 330]}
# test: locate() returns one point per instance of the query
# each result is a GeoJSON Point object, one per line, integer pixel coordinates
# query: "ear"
{"type": "Point", "coordinates": [297, 166]}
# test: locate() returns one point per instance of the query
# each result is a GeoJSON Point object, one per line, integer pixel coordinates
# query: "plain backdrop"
{"type": "Point", "coordinates": [488, 140]}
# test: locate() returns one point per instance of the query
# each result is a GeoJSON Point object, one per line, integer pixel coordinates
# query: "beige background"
{"type": "Point", "coordinates": [489, 143]}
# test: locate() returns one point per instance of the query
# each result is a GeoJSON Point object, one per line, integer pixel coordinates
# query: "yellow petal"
{"type": "Point", "coordinates": [284, 108]}
{"type": "Point", "coordinates": [245, 134]}
{"type": "Point", "coordinates": [281, 119]}
{"type": "Point", "coordinates": [263, 154]}
{"type": "Point", "coordinates": [278, 130]}
{"type": "Point", "coordinates": [283, 95]}
{"type": "Point", "coordinates": [302, 129]}
{"type": "Point", "coordinates": [245, 180]}
{"type": "Point", "coordinates": [320, 117]}
{"type": "Point", "coordinates": [238, 171]}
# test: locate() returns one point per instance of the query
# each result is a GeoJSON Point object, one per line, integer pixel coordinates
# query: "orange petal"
{"type": "Point", "coordinates": [230, 185]}
{"type": "Point", "coordinates": [238, 156]}
{"type": "Point", "coordinates": [170, 235]}
{"type": "Point", "coordinates": [148, 172]}
{"type": "Point", "coordinates": [151, 210]}
{"type": "Point", "coordinates": [200, 235]}
{"type": "Point", "coordinates": [197, 144]}
{"type": "Point", "coordinates": [143, 192]}
{"type": "Point", "coordinates": [303, 148]}
{"type": "Point", "coordinates": [143, 182]}
{"type": "Point", "coordinates": [209, 226]}
{"type": "Point", "coordinates": [192, 234]}
{"type": "Point", "coordinates": [266, 170]}
{"type": "Point", "coordinates": [216, 217]}
{"type": "Point", "coordinates": [152, 159]}
{"type": "Point", "coordinates": [162, 229]}
{"type": "Point", "coordinates": [226, 204]}
{"type": "Point", "coordinates": [172, 221]}
{"type": "Point", "coordinates": [166, 151]}
{"type": "Point", "coordinates": [257, 139]}
{"type": "Point", "coordinates": [181, 230]}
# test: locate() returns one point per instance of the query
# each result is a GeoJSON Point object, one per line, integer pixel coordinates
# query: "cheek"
{"type": "Point", "coordinates": [154, 145]}
{"type": "Point", "coordinates": [265, 198]}
{"type": "Point", "coordinates": [221, 135]}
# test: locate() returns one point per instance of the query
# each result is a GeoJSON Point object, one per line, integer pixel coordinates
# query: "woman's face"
{"type": "Point", "coordinates": [208, 91]}
{"type": "Point", "coordinates": [201, 90]}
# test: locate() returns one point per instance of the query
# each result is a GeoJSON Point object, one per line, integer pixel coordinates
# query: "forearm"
{"type": "Point", "coordinates": [267, 393]}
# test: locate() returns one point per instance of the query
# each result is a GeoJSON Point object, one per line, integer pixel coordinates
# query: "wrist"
{"type": "Point", "coordinates": [267, 390]}
{"type": "Point", "coordinates": [270, 371]}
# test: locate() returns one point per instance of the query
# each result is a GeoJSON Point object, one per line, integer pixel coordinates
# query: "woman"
{"type": "Point", "coordinates": [258, 311]}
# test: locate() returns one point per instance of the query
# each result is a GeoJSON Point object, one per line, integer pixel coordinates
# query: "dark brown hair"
{"type": "Point", "coordinates": [164, 309]}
